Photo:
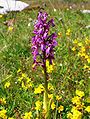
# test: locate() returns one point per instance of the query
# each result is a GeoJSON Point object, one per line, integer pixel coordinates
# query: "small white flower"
{"type": "Point", "coordinates": [15, 82]}
{"type": "Point", "coordinates": [70, 7]}
{"type": "Point", "coordinates": [55, 10]}
{"type": "Point", "coordinates": [30, 19]}
{"type": "Point", "coordinates": [61, 64]}
{"type": "Point", "coordinates": [29, 24]}
{"type": "Point", "coordinates": [63, 92]}
{"type": "Point", "coordinates": [88, 26]}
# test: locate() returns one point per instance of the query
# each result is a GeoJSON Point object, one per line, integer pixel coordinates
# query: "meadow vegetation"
{"type": "Point", "coordinates": [22, 87]}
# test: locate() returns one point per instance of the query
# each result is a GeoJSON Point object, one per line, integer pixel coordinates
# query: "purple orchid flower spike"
{"type": "Point", "coordinates": [43, 44]}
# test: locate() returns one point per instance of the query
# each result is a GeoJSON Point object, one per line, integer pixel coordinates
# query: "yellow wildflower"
{"type": "Point", "coordinates": [23, 86]}
{"type": "Point", "coordinates": [2, 101]}
{"type": "Point", "coordinates": [38, 105]}
{"type": "Point", "coordinates": [7, 85]}
{"type": "Point", "coordinates": [79, 93]}
{"type": "Point", "coordinates": [73, 49]}
{"type": "Point", "coordinates": [20, 79]}
{"type": "Point", "coordinates": [41, 86]}
{"type": "Point", "coordinates": [69, 115]}
{"type": "Point", "coordinates": [1, 16]}
{"type": "Point", "coordinates": [53, 106]}
{"type": "Point", "coordinates": [82, 54]}
{"type": "Point", "coordinates": [28, 79]}
{"type": "Point", "coordinates": [49, 66]}
{"type": "Point", "coordinates": [47, 63]}
{"type": "Point", "coordinates": [86, 56]}
{"type": "Point", "coordinates": [86, 66]}
{"type": "Point", "coordinates": [50, 87]}
{"type": "Point", "coordinates": [88, 109]}
{"type": "Point", "coordinates": [87, 41]}
{"type": "Point", "coordinates": [50, 69]}
{"type": "Point", "coordinates": [77, 114]}
{"type": "Point", "coordinates": [82, 49]}
{"type": "Point", "coordinates": [60, 34]}
{"type": "Point", "coordinates": [80, 44]}
{"type": "Point", "coordinates": [68, 32]}
{"type": "Point", "coordinates": [24, 75]}
{"type": "Point", "coordinates": [60, 109]}
{"type": "Point", "coordinates": [76, 100]}
{"type": "Point", "coordinates": [3, 114]}
{"type": "Point", "coordinates": [10, 28]}
{"type": "Point", "coordinates": [33, 65]}
{"type": "Point", "coordinates": [73, 109]}
{"type": "Point", "coordinates": [19, 70]}
{"type": "Point", "coordinates": [79, 53]}
{"type": "Point", "coordinates": [12, 118]}
{"type": "Point", "coordinates": [28, 115]}
{"type": "Point", "coordinates": [39, 89]}
{"type": "Point", "coordinates": [88, 60]}
{"type": "Point", "coordinates": [58, 97]}
{"type": "Point", "coordinates": [50, 96]}
{"type": "Point", "coordinates": [75, 41]}
{"type": "Point", "coordinates": [80, 106]}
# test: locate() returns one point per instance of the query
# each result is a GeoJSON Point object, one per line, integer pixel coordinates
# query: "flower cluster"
{"type": "Point", "coordinates": [2, 101]}
{"type": "Point", "coordinates": [82, 48]}
{"type": "Point", "coordinates": [28, 115]}
{"type": "Point", "coordinates": [42, 43]}
{"type": "Point", "coordinates": [68, 32]}
{"type": "Point", "coordinates": [7, 85]}
{"type": "Point", "coordinates": [76, 111]}
{"type": "Point", "coordinates": [3, 114]}
{"type": "Point", "coordinates": [39, 89]}
{"type": "Point", "coordinates": [87, 109]}
{"type": "Point", "coordinates": [78, 107]}
{"type": "Point", "coordinates": [59, 108]}
{"type": "Point", "coordinates": [50, 67]}
{"type": "Point", "coordinates": [25, 82]}
{"type": "Point", "coordinates": [38, 105]}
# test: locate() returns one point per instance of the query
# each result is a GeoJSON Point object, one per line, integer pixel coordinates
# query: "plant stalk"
{"type": "Point", "coordinates": [45, 104]}
{"type": "Point", "coordinates": [46, 93]}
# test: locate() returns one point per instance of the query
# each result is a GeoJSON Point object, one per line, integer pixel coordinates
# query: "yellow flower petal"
{"type": "Point", "coordinates": [53, 106]}
{"type": "Point", "coordinates": [73, 49]}
{"type": "Point", "coordinates": [60, 109]}
{"type": "Point", "coordinates": [38, 105]}
{"type": "Point", "coordinates": [10, 28]}
{"type": "Point", "coordinates": [88, 109]}
{"type": "Point", "coordinates": [79, 93]}
{"type": "Point", "coordinates": [7, 85]}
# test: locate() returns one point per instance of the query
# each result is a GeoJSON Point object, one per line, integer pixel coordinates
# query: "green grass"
{"type": "Point", "coordinates": [15, 53]}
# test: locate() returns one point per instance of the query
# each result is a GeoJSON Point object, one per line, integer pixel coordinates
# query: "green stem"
{"type": "Point", "coordinates": [46, 93]}
{"type": "Point", "coordinates": [45, 104]}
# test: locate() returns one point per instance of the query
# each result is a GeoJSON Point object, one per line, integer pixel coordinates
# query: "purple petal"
{"type": "Point", "coordinates": [42, 47]}
{"type": "Point", "coordinates": [45, 35]}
